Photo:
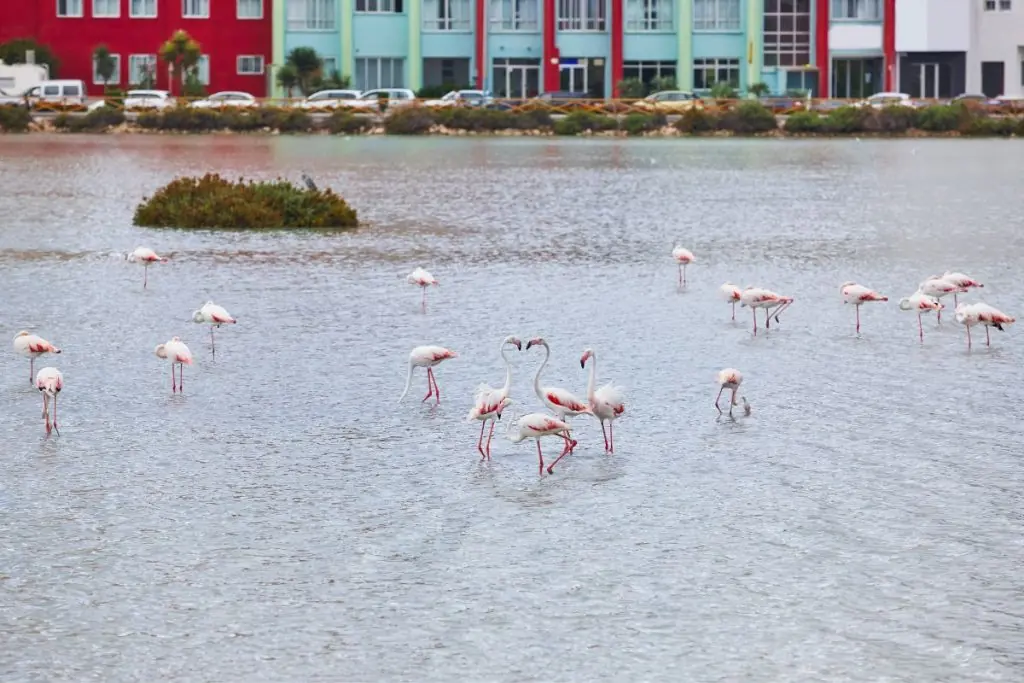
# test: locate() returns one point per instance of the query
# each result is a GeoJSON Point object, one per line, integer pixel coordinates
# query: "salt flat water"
{"type": "Point", "coordinates": [286, 520]}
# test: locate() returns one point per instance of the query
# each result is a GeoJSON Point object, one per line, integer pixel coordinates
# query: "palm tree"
{"type": "Point", "coordinates": [288, 78]}
{"type": "Point", "coordinates": [182, 53]}
{"type": "Point", "coordinates": [104, 64]}
{"type": "Point", "coordinates": [307, 65]}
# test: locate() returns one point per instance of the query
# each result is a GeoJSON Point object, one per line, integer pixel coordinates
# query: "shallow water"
{"type": "Point", "coordinates": [286, 520]}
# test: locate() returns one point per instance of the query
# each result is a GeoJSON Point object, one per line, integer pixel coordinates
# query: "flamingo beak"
{"type": "Point", "coordinates": [519, 345]}
{"type": "Point", "coordinates": [529, 344]}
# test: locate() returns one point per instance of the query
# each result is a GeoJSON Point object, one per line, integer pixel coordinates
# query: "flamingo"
{"type": "Point", "coordinates": [32, 346]}
{"type": "Point", "coordinates": [145, 256]}
{"type": "Point", "coordinates": [179, 354]}
{"type": "Point", "coordinates": [423, 279]}
{"type": "Point", "coordinates": [683, 257]}
{"type": "Point", "coordinates": [858, 295]}
{"type": "Point", "coordinates": [731, 293]}
{"type": "Point", "coordinates": [607, 403]}
{"type": "Point", "coordinates": [50, 381]}
{"type": "Point", "coordinates": [962, 281]}
{"type": "Point", "coordinates": [731, 378]}
{"type": "Point", "coordinates": [488, 403]}
{"type": "Point", "coordinates": [922, 303]}
{"type": "Point", "coordinates": [427, 357]}
{"type": "Point", "coordinates": [562, 403]}
{"type": "Point", "coordinates": [937, 287]}
{"type": "Point", "coordinates": [757, 297]}
{"type": "Point", "coordinates": [535, 426]}
{"type": "Point", "coordinates": [214, 316]}
{"type": "Point", "coordinates": [970, 315]}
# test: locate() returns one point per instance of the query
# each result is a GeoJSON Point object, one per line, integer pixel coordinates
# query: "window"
{"type": "Point", "coordinates": [203, 69]}
{"type": "Point", "coordinates": [581, 15]}
{"type": "Point", "coordinates": [648, 15]}
{"type": "Point", "coordinates": [142, 9]}
{"type": "Point", "coordinates": [195, 9]}
{"type": "Point", "coordinates": [250, 65]}
{"type": "Point", "coordinates": [865, 10]}
{"type": "Point", "coordinates": [106, 9]}
{"type": "Point", "coordinates": [1001, 5]}
{"type": "Point", "coordinates": [311, 15]}
{"type": "Point", "coordinates": [514, 15]}
{"type": "Point", "coordinates": [250, 9]}
{"type": "Point", "coordinates": [141, 68]}
{"type": "Point", "coordinates": [708, 71]}
{"type": "Point", "coordinates": [649, 71]}
{"type": "Point", "coordinates": [787, 33]}
{"type": "Point", "coordinates": [379, 6]}
{"type": "Point", "coordinates": [446, 15]}
{"type": "Point", "coordinates": [330, 65]}
{"type": "Point", "coordinates": [115, 77]}
{"type": "Point", "coordinates": [716, 15]}
{"type": "Point", "coordinates": [379, 72]}
{"type": "Point", "coordinates": [69, 8]}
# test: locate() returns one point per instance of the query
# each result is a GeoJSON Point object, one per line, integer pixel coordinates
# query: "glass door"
{"type": "Point", "coordinates": [573, 78]}
{"type": "Point", "coordinates": [928, 78]}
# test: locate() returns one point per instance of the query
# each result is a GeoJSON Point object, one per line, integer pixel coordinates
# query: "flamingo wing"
{"type": "Point", "coordinates": [566, 400]}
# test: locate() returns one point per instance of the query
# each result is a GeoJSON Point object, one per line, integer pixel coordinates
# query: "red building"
{"type": "Point", "coordinates": [235, 36]}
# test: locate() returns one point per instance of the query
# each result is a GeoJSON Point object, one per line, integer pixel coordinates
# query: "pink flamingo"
{"type": "Point", "coordinates": [214, 316]}
{"type": "Point", "coordinates": [145, 256]}
{"type": "Point", "coordinates": [938, 287]}
{"type": "Point", "coordinates": [922, 303]}
{"type": "Point", "coordinates": [960, 280]}
{"type": "Point", "coordinates": [730, 378]}
{"type": "Point", "coordinates": [179, 354]}
{"type": "Point", "coordinates": [562, 403]}
{"type": "Point", "coordinates": [858, 295]}
{"type": "Point", "coordinates": [535, 426]}
{"type": "Point", "coordinates": [50, 381]}
{"type": "Point", "coordinates": [32, 346]}
{"type": "Point", "coordinates": [731, 293]}
{"type": "Point", "coordinates": [683, 257]}
{"type": "Point", "coordinates": [423, 279]}
{"type": "Point", "coordinates": [607, 403]}
{"type": "Point", "coordinates": [427, 357]}
{"type": "Point", "coordinates": [970, 315]}
{"type": "Point", "coordinates": [488, 403]}
{"type": "Point", "coordinates": [772, 303]}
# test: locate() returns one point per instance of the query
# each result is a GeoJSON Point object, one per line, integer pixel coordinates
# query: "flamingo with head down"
{"type": "Point", "coordinates": [50, 381]}
{"type": "Point", "coordinates": [683, 257]}
{"type": "Point", "coordinates": [427, 357]}
{"type": "Point", "coordinates": [145, 256]}
{"type": "Point", "coordinates": [535, 426]}
{"type": "Point", "coordinates": [965, 282]}
{"type": "Point", "coordinates": [732, 294]}
{"type": "Point", "coordinates": [858, 295]}
{"type": "Point", "coordinates": [772, 303]}
{"type": "Point", "coordinates": [970, 315]}
{"type": "Point", "coordinates": [938, 287]}
{"type": "Point", "coordinates": [32, 346]}
{"type": "Point", "coordinates": [921, 303]}
{"type": "Point", "coordinates": [422, 279]}
{"type": "Point", "coordinates": [731, 378]}
{"type": "Point", "coordinates": [180, 355]}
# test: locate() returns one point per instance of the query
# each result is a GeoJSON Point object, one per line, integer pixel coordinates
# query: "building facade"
{"type": "Point", "coordinates": [235, 37]}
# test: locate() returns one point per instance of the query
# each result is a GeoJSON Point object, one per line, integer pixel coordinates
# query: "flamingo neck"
{"type": "Point", "coordinates": [536, 378]}
{"type": "Point", "coordinates": [408, 382]}
{"type": "Point", "coordinates": [508, 372]}
{"type": "Point", "coordinates": [593, 377]}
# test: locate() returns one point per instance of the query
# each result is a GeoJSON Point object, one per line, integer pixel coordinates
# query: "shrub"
{"type": "Point", "coordinates": [14, 119]}
{"type": "Point", "coordinates": [985, 125]}
{"type": "Point", "coordinates": [580, 121]}
{"type": "Point", "coordinates": [1020, 128]}
{"type": "Point", "coordinates": [343, 122]}
{"type": "Point", "coordinates": [409, 121]}
{"type": "Point", "coordinates": [803, 122]}
{"type": "Point", "coordinates": [534, 119]}
{"type": "Point", "coordinates": [892, 119]}
{"type": "Point", "coordinates": [213, 202]}
{"type": "Point", "coordinates": [96, 121]}
{"type": "Point", "coordinates": [696, 121]}
{"type": "Point", "coordinates": [846, 120]}
{"type": "Point", "coordinates": [188, 119]}
{"type": "Point", "coordinates": [748, 118]}
{"type": "Point", "coordinates": [638, 124]}
{"type": "Point", "coordinates": [941, 118]}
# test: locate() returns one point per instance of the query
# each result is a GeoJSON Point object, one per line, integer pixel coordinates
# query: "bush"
{"type": "Point", "coordinates": [96, 121]}
{"type": "Point", "coordinates": [534, 119]}
{"type": "Point", "coordinates": [409, 121]}
{"type": "Point", "coordinates": [213, 202]}
{"type": "Point", "coordinates": [696, 121]}
{"type": "Point", "coordinates": [580, 121]}
{"type": "Point", "coordinates": [343, 122]}
{"type": "Point", "coordinates": [803, 122]}
{"type": "Point", "coordinates": [892, 119]}
{"type": "Point", "coordinates": [985, 126]}
{"type": "Point", "coordinates": [748, 118]}
{"type": "Point", "coordinates": [14, 119]}
{"type": "Point", "coordinates": [846, 120]}
{"type": "Point", "coordinates": [638, 124]}
{"type": "Point", "coordinates": [941, 118]}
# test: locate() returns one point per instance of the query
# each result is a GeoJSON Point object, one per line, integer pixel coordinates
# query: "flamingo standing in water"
{"type": "Point", "coordinates": [938, 287]}
{"type": "Point", "coordinates": [423, 279]}
{"type": "Point", "coordinates": [683, 257]}
{"type": "Point", "coordinates": [145, 256]}
{"type": "Point", "coordinates": [50, 381]}
{"type": "Point", "coordinates": [963, 281]}
{"type": "Point", "coordinates": [772, 303]}
{"type": "Point", "coordinates": [214, 316]}
{"type": "Point", "coordinates": [535, 426]}
{"type": "Point", "coordinates": [562, 403]}
{"type": "Point", "coordinates": [427, 357]}
{"type": "Point", "coordinates": [179, 354]}
{"type": "Point", "coordinates": [607, 403]}
{"type": "Point", "coordinates": [32, 346]}
{"type": "Point", "coordinates": [970, 315]}
{"type": "Point", "coordinates": [730, 378]}
{"type": "Point", "coordinates": [922, 303]}
{"type": "Point", "coordinates": [488, 403]}
{"type": "Point", "coordinates": [731, 293]}
{"type": "Point", "coordinates": [858, 295]}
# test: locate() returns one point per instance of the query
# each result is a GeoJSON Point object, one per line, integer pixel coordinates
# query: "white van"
{"type": "Point", "coordinates": [57, 92]}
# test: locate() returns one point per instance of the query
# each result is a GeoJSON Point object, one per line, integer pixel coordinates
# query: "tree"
{"type": "Point", "coordinates": [632, 89]}
{"type": "Point", "coordinates": [13, 52]}
{"type": "Point", "coordinates": [182, 54]}
{"type": "Point", "coordinates": [104, 64]}
{"type": "Point", "coordinates": [307, 65]}
{"type": "Point", "coordinates": [288, 78]}
{"type": "Point", "coordinates": [759, 89]}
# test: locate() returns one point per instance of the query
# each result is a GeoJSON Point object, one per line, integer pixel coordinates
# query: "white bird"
{"type": "Point", "coordinates": [858, 295]}
{"type": "Point", "coordinates": [179, 354]}
{"type": "Point", "coordinates": [32, 346]}
{"type": "Point", "coordinates": [683, 257]}
{"type": "Point", "coordinates": [937, 287]}
{"type": "Point", "coordinates": [535, 426]}
{"type": "Point", "coordinates": [965, 282]}
{"type": "Point", "coordinates": [214, 316]}
{"type": "Point", "coordinates": [488, 403]}
{"type": "Point", "coordinates": [920, 303]}
{"type": "Point", "coordinates": [607, 403]}
{"type": "Point", "coordinates": [423, 279]}
{"type": "Point", "coordinates": [731, 293]}
{"type": "Point", "coordinates": [730, 378]}
{"type": "Point", "coordinates": [772, 303]}
{"type": "Point", "coordinates": [427, 357]}
{"type": "Point", "coordinates": [145, 256]}
{"type": "Point", "coordinates": [561, 402]}
{"type": "Point", "coordinates": [970, 315]}
{"type": "Point", "coordinates": [50, 381]}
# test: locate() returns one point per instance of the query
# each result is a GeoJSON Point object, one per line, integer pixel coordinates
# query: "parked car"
{"type": "Point", "coordinates": [463, 98]}
{"type": "Point", "coordinates": [396, 97]}
{"type": "Point", "coordinates": [330, 99]}
{"type": "Point", "coordinates": [227, 98]}
{"type": "Point", "coordinates": [670, 101]}
{"type": "Point", "coordinates": [887, 99]}
{"type": "Point", "coordinates": [1009, 103]}
{"type": "Point", "coordinates": [148, 99]}
{"type": "Point", "coordinates": [64, 92]}
{"type": "Point", "coordinates": [783, 104]}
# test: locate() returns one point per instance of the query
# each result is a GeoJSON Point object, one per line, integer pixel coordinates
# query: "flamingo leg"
{"type": "Point", "coordinates": [680, 274]}
{"type": "Point", "coordinates": [437, 389]}
{"type": "Point", "coordinates": [430, 387]}
{"type": "Point", "coordinates": [174, 386]}
{"type": "Point", "coordinates": [858, 318]}
{"type": "Point", "coordinates": [611, 436]}
{"type": "Point", "coordinates": [213, 344]}
{"type": "Point", "coordinates": [767, 319]}
{"type": "Point", "coordinates": [987, 342]}
{"type": "Point", "coordinates": [181, 378]}
{"type": "Point", "coordinates": [732, 401]}
{"type": "Point", "coordinates": [55, 415]}
{"type": "Point", "coordinates": [753, 311]}
{"type": "Point", "coordinates": [31, 370]}
{"type": "Point", "coordinates": [46, 412]}
{"type": "Point", "coordinates": [490, 435]}
{"type": "Point", "coordinates": [424, 302]}
{"type": "Point", "coordinates": [733, 310]}
{"type": "Point", "coordinates": [955, 302]}
{"type": "Point", "coordinates": [605, 436]}
{"type": "Point", "coordinates": [720, 390]}
{"type": "Point", "coordinates": [684, 275]}
{"type": "Point", "coordinates": [480, 441]}
{"type": "Point", "coordinates": [565, 452]}
{"type": "Point", "coordinates": [939, 313]}
{"type": "Point", "coordinates": [968, 338]}
{"type": "Point", "coordinates": [145, 275]}
{"type": "Point", "coordinates": [540, 457]}
{"type": "Point", "coordinates": [920, 328]}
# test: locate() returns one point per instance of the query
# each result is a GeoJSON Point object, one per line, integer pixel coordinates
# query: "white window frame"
{"type": "Point", "coordinates": [115, 79]}
{"type": "Point", "coordinates": [794, 48]}
{"type": "Point", "coordinates": [262, 65]}
{"type": "Point", "coordinates": [649, 16]}
{"type": "Point", "coordinates": [856, 10]}
{"type": "Point", "coordinates": [513, 16]}
{"type": "Point", "coordinates": [379, 61]}
{"type": "Point", "coordinates": [69, 6]}
{"type": "Point", "coordinates": [299, 17]}
{"type": "Point", "coordinates": [144, 3]}
{"type": "Point", "coordinates": [582, 16]}
{"type": "Point", "coordinates": [135, 64]}
{"type": "Point", "coordinates": [712, 65]}
{"type": "Point", "coordinates": [246, 17]}
{"type": "Point", "coordinates": [658, 65]}
{"type": "Point", "coordinates": [717, 15]}
{"type": "Point", "coordinates": [447, 15]}
{"type": "Point", "coordinates": [115, 15]}
{"type": "Point", "coordinates": [201, 65]}
{"type": "Point", "coordinates": [377, 7]}
{"type": "Point", "coordinates": [203, 5]}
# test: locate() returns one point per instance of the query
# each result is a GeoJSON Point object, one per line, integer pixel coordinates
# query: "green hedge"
{"type": "Point", "coordinates": [213, 202]}
{"type": "Point", "coordinates": [950, 118]}
{"type": "Point", "coordinates": [97, 121]}
{"type": "Point", "coordinates": [14, 119]}
{"type": "Point", "coordinates": [284, 120]}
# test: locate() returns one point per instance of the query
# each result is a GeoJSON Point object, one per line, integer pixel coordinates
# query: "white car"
{"type": "Point", "coordinates": [330, 99]}
{"type": "Point", "coordinates": [227, 98]}
{"type": "Point", "coordinates": [148, 99]}
{"type": "Point", "coordinates": [471, 98]}
{"type": "Point", "coordinates": [396, 97]}
{"type": "Point", "coordinates": [887, 99]}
